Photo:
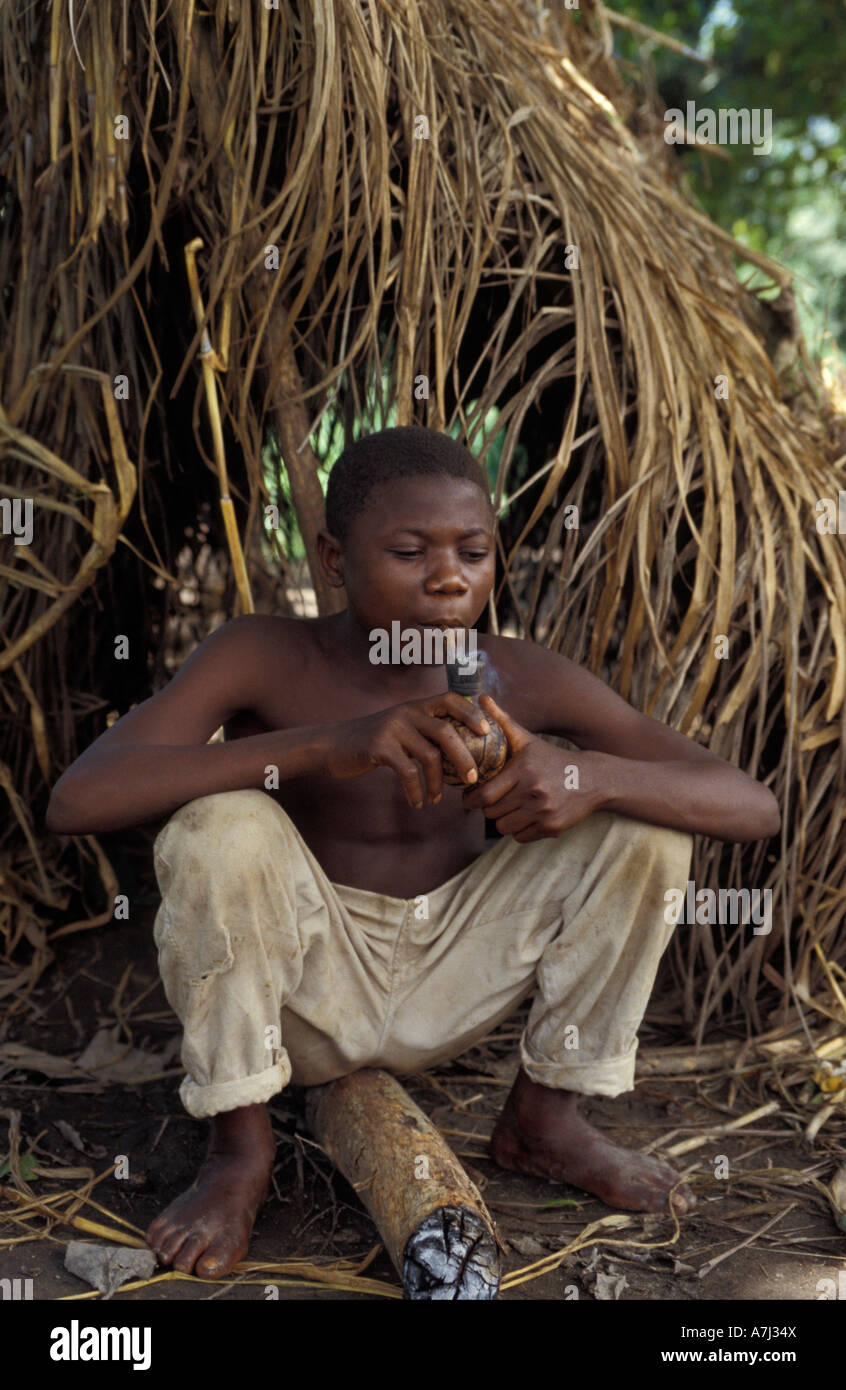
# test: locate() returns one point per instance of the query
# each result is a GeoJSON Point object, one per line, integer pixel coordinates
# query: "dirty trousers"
{"type": "Point", "coordinates": [279, 975]}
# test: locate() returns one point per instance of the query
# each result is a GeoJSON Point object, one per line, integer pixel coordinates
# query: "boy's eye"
{"type": "Point", "coordinates": [467, 554]}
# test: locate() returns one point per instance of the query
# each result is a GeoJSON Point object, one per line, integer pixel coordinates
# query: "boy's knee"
{"type": "Point", "coordinates": [659, 845]}
{"type": "Point", "coordinates": [223, 811]}
{"type": "Point", "coordinates": [224, 826]}
{"type": "Point", "coordinates": [191, 953]}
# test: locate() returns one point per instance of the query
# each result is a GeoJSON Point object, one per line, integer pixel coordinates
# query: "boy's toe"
{"type": "Point", "coordinates": [170, 1244]}
{"type": "Point", "coordinates": [219, 1259]}
{"type": "Point", "coordinates": [191, 1249]}
{"type": "Point", "coordinates": [683, 1199]}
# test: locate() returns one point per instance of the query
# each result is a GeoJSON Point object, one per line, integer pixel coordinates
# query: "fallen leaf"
{"type": "Point", "coordinates": [28, 1166]}
{"type": "Point", "coordinates": [527, 1245]}
{"type": "Point", "coordinates": [17, 1057]}
{"type": "Point", "coordinates": [68, 1132]}
{"type": "Point", "coordinates": [110, 1059]}
{"type": "Point", "coordinates": [838, 1188]}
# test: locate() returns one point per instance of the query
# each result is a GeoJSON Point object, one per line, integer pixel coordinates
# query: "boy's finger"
{"type": "Point", "coordinates": [429, 757]}
{"type": "Point", "coordinates": [412, 780]}
{"type": "Point", "coordinates": [459, 708]}
{"type": "Point", "coordinates": [504, 805]}
{"type": "Point", "coordinates": [515, 823]}
{"type": "Point", "coordinates": [450, 743]}
{"type": "Point", "coordinates": [532, 832]}
{"type": "Point", "coordinates": [516, 735]}
{"type": "Point", "coordinates": [490, 792]}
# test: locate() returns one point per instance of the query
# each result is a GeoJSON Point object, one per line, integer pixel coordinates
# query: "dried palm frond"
{"type": "Point", "coordinates": [457, 212]}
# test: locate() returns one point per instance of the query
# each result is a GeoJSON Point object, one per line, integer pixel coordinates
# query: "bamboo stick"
{"type": "Point", "coordinates": [715, 1132]}
{"type": "Point", "coordinates": [209, 359]}
{"type": "Point", "coordinates": [718, 1259]}
{"type": "Point", "coordinates": [94, 1228]}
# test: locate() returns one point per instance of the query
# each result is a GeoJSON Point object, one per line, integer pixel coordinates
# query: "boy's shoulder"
{"type": "Point", "coordinates": [262, 634]}
{"type": "Point", "coordinates": [244, 668]}
{"type": "Point", "coordinates": [270, 645]}
{"type": "Point", "coordinates": [252, 650]}
{"type": "Point", "coordinates": [548, 692]}
{"type": "Point", "coordinates": [520, 658]}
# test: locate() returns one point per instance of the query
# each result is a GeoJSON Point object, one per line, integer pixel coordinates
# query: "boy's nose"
{"type": "Point", "coordinates": [447, 579]}
{"type": "Point", "coordinates": [444, 572]}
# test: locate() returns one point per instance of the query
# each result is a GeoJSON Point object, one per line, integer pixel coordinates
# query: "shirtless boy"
{"type": "Point", "coordinates": [296, 905]}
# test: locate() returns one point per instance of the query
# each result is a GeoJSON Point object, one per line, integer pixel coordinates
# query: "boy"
{"type": "Point", "coordinates": [351, 915]}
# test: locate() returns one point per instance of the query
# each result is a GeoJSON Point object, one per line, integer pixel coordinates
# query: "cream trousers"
{"type": "Point", "coordinates": [279, 975]}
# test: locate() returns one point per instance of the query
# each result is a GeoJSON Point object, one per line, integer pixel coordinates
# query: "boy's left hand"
{"type": "Point", "coordinates": [533, 797]}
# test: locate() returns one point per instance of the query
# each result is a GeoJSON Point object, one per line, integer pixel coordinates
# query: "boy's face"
{"type": "Point", "coordinates": [422, 552]}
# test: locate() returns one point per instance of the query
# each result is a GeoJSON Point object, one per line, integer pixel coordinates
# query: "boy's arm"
{"type": "Point", "coordinates": [631, 764]}
{"type": "Point", "coordinates": [157, 757]}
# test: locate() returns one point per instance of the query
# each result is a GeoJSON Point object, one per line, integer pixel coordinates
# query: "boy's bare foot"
{"type": "Point", "coordinates": [207, 1229]}
{"type": "Point", "coordinates": [540, 1131]}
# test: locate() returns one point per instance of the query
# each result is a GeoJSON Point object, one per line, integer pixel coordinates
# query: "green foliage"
{"type": "Point", "coordinates": [328, 444]}
{"type": "Point", "coordinates": [788, 58]}
{"type": "Point", "coordinates": [28, 1166]}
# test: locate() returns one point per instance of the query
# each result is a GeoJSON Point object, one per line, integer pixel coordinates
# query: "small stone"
{"type": "Point", "coordinates": [106, 1267]}
{"type": "Point", "coordinates": [608, 1287]}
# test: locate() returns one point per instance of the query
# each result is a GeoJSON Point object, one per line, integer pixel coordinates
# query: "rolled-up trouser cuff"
{"type": "Point", "coordinates": [609, 1077]}
{"type": "Point", "coordinates": [201, 1101]}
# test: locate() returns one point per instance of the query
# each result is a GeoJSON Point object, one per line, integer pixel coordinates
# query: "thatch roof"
{"type": "Point", "coordinates": [384, 193]}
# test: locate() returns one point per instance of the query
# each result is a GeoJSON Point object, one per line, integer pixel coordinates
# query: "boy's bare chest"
{"type": "Point", "coordinates": [345, 819]}
{"type": "Point", "coordinates": [307, 687]}
{"type": "Point", "coordinates": [315, 693]}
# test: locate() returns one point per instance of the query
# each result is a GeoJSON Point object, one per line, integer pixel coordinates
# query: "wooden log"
{"type": "Point", "coordinates": [430, 1215]}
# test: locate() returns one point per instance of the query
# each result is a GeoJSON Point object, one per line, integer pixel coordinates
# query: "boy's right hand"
{"type": "Point", "coordinates": [410, 738]}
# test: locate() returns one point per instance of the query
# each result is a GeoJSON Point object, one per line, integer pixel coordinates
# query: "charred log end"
{"type": "Point", "coordinates": [451, 1255]}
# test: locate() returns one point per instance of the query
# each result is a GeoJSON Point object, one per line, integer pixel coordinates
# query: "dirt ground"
{"type": "Point", "coordinates": [83, 1124]}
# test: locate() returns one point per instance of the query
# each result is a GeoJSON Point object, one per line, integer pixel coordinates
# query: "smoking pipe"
{"type": "Point", "coordinates": [489, 751]}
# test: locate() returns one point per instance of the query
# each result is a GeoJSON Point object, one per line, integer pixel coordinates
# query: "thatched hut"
{"type": "Point", "coordinates": [229, 240]}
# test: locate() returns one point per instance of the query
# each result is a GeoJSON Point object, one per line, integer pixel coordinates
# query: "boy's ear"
{"type": "Point", "coordinates": [331, 553]}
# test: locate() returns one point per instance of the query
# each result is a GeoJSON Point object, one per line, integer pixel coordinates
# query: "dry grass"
{"type": "Point", "coordinates": [784, 1083]}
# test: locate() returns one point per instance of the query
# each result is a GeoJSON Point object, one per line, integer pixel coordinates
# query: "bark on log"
{"type": "Point", "coordinates": [430, 1215]}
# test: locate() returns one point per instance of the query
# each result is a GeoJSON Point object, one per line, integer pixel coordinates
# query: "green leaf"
{"type": "Point", "coordinates": [28, 1168]}
{"type": "Point", "coordinates": [560, 1202]}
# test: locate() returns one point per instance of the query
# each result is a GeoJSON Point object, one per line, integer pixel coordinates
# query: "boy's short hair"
{"type": "Point", "coordinates": [405, 451]}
